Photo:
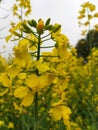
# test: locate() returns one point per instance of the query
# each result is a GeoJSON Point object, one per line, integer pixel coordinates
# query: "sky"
{"type": "Point", "coordinates": [64, 12]}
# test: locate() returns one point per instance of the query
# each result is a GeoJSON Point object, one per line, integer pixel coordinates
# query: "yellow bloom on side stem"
{"type": "Point", "coordinates": [59, 112]}
{"type": "Point", "coordinates": [34, 83]}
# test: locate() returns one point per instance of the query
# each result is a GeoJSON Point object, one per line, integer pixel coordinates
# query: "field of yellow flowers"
{"type": "Point", "coordinates": [48, 90]}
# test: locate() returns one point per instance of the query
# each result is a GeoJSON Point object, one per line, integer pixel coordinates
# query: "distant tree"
{"type": "Point", "coordinates": [84, 46]}
{"type": "Point", "coordinates": [92, 38]}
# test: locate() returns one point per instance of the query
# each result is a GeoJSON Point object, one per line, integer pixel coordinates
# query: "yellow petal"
{"type": "Point", "coordinates": [21, 92]}
{"type": "Point", "coordinates": [13, 71]}
{"type": "Point", "coordinates": [44, 81]}
{"type": "Point", "coordinates": [16, 106]}
{"type": "Point", "coordinates": [22, 75]}
{"type": "Point", "coordinates": [32, 80]}
{"type": "Point", "coordinates": [28, 99]}
{"type": "Point", "coordinates": [4, 80]}
{"type": "Point", "coordinates": [43, 67]}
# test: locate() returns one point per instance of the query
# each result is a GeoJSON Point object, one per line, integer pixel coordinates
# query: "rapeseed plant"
{"type": "Point", "coordinates": [48, 90]}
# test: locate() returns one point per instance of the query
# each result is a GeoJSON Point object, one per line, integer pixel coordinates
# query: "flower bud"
{"type": "Point", "coordinates": [40, 26]}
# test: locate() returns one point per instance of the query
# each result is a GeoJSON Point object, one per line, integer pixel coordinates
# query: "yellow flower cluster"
{"type": "Point", "coordinates": [22, 4]}
{"type": "Point", "coordinates": [86, 14]}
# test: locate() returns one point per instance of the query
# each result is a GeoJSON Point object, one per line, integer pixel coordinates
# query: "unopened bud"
{"type": "Point", "coordinates": [40, 26]}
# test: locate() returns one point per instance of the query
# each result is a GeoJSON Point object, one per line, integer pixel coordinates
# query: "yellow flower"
{"type": "Point", "coordinates": [22, 56]}
{"type": "Point", "coordinates": [36, 83]}
{"type": "Point", "coordinates": [62, 51]}
{"type": "Point", "coordinates": [28, 99]}
{"type": "Point", "coordinates": [42, 67]}
{"type": "Point", "coordinates": [96, 15]}
{"type": "Point", "coordinates": [21, 51]}
{"type": "Point", "coordinates": [1, 122]}
{"type": "Point", "coordinates": [22, 76]}
{"type": "Point", "coordinates": [55, 34]}
{"type": "Point", "coordinates": [26, 94]}
{"type": "Point", "coordinates": [15, 8]}
{"type": "Point", "coordinates": [10, 125]}
{"type": "Point", "coordinates": [92, 7]}
{"type": "Point", "coordinates": [89, 5]}
{"type": "Point", "coordinates": [59, 112]}
{"type": "Point", "coordinates": [13, 71]}
{"type": "Point", "coordinates": [4, 80]}
{"type": "Point", "coordinates": [90, 17]}
{"type": "Point", "coordinates": [81, 16]}
{"type": "Point", "coordinates": [21, 92]}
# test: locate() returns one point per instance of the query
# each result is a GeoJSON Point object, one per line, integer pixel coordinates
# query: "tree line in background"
{"type": "Point", "coordinates": [84, 46]}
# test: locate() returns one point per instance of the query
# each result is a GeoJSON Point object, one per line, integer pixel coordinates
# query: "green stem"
{"type": "Point", "coordinates": [44, 56]}
{"type": "Point", "coordinates": [36, 111]}
{"type": "Point", "coordinates": [36, 94]}
{"type": "Point", "coordinates": [47, 47]}
{"type": "Point", "coordinates": [48, 34]}
{"type": "Point", "coordinates": [46, 39]}
{"type": "Point", "coordinates": [38, 52]}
